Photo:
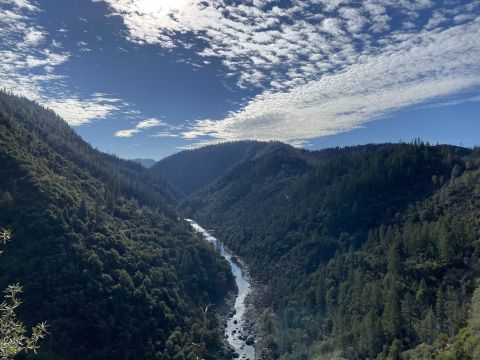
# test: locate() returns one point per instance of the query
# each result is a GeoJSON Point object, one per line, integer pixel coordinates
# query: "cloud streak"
{"type": "Point", "coordinates": [141, 126]}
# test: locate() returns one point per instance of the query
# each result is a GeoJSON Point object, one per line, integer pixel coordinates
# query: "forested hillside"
{"type": "Point", "coordinates": [368, 252]}
{"type": "Point", "coordinates": [364, 252]}
{"type": "Point", "coordinates": [191, 170]}
{"type": "Point", "coordinates": [98, 249]}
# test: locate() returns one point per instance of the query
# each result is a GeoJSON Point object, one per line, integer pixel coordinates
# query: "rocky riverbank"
{"type": "Point", "coordinates": [240, 330]}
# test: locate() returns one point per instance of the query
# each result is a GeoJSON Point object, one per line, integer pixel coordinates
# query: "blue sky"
{"type": "Point", "coordinates": [147, 78]}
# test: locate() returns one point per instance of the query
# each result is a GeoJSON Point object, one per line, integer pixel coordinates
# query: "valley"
{"type": "Point", "coordinates": [365, 252]}
{"type": "Point", "coordinates": [239, 180]}
{"type": "Point", "coordinates": [237, 326]}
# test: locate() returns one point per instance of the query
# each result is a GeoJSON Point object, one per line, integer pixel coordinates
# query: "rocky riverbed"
{"type": "Point", "coordinates": [239, 327]}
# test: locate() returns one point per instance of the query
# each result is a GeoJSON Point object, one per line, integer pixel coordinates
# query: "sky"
{"type": "Point", "coordinates": [148, 78]}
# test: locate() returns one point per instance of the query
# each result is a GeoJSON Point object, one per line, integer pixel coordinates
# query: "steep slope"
{"type": "Point", "coordinates": [364, 251]}
{"type": "Point", "coordinates": [191, 170]}
{"type": "Point", "coordinates": [98, 249]}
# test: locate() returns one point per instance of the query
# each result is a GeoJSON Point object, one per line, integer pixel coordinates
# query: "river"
{"type": "Point", "coordinates": [234, 332]}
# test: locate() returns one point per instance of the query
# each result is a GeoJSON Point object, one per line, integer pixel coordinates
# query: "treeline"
{"type": "Point", "coordinates": [366, 252]}
{"type": "Point", "coordinates": [99, 250]}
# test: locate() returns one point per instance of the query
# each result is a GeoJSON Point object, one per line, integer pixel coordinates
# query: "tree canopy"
{"type": "Point", "coordinates": [99, 249]}
{"type": "Point", "coordinates": [364, 252]}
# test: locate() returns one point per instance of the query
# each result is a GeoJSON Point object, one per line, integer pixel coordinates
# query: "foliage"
{"type": "Point", "coordinates": [100, 252]}
{"type": "Point", "coordinates": [365, 251]}
{"type": "Point", "coordinates": [463, 346]}
{"type": "Point", "coordinates": [13, 335]}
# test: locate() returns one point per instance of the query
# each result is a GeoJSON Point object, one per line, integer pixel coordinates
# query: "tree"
{"type": "Point", "coordinates": [374, 333]}
{"type": "Point", "coordinates": [13, 334]}
{"type": "Point", "coordinates": [440, 307]}
{"type": "Point", "coordinates": [427, 328]}
{"type": "Point", "coordinates": [392, 313]}
{"type": "Point", "coordinates": [456, 171]}
{"type": "Point", "coordinates": [395, 350]}
{"type": "Point", "coordinates": [408, 311]}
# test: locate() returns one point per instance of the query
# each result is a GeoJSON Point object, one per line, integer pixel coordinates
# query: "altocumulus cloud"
{"type": "Point", "coordinates": [29, 63]}
{"type": "Point", "coordinates": [419, 68]}
{"type": "Point", "coordinates": [141, 126]}
{"type": "Point", "coordinates": [322, 66]}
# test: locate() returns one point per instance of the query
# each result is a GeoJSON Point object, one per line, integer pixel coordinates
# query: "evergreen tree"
{"type": "Point", "coordinates": [392, 313]}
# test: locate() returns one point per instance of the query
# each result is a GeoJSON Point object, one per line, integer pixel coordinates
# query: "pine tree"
{"type": "Point", "coordinates": [395, 350]}
{"type": "Point", "coordinates": [440, 307]}
{"type": "Point", "coordinates": [393, 260]}
{"type": "Point", "coordinates": [391, 313]}
{"type": "Point", "coordinates": [427, 328]}
{"type": "Point", "coordinates": [422, 292]}
{"type": "Point", "coordinates": [408, 311]}
{"type": "Point", "coordinates": [374, 333]}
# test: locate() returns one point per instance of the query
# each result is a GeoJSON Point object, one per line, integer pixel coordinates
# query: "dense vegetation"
{"type": "Point", "coordinates": [365, 252]}
{"type": "Point", "coordinates": [100, 253]}
{"type": "Point", "coordinates": [191, 170]}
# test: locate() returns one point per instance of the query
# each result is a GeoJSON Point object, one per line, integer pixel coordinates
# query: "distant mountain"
{"type": "Point", "coordinates": [363, 252]}
{"type": "Point", "coordinates": [99, 249]}
{"type": "Point", "coordinates": [191, 170]}
{"type": "Point", "coordinates": [146, 163]}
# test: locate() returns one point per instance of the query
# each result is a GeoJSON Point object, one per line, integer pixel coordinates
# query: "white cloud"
{"type": "Point", "coordinates": [322, 66]}
{"type": "Point", "coordinates": [21, 4]}
{"type": "Point", "coordinates": [33, 36]}
{"type": "Point", "coordinates": [126, 133]}
{"type": "Point", "coordinates": [165, 134]}
{"type": "Point", "coordinates": [47, 58]}
{"type": "Point", "coordinates": [271, 47]}
{"type": "Point", "coordinates": [454, 101]}
{"type": "Point", "coordinates": [142, 125]}
{"type": "Point", "coordinates": [437, 19]}
{"type": "Point", "coordinates": [319, 71]}
{"type": "Point", "coordinates": [417, 69]}
{"type": "Point", "coordinates": [149, 123]}
{"type": "Point", "coordinates": [29, 67]}
{"type": "Point", "coordinates": [78, 111]}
